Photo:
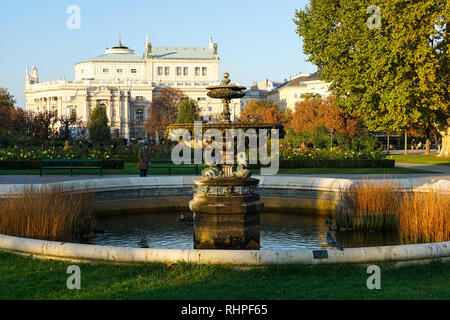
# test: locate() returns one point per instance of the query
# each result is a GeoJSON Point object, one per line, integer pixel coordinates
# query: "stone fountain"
{"type": "Point", "coordinates": [226, 204]}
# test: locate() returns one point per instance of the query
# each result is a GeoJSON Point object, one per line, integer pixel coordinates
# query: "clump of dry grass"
{"type": "Point", "coordinates": [425, 217]}
{"type": "Point", "coordinates": [47, 213]}
{"type": "Point", "coordinates": [418, 216]}
{"type": "Point", "coordinates": [369, 206]}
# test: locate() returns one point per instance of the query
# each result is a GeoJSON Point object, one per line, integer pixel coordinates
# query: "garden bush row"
{"type": "Point", "coordinates": [35, 164]}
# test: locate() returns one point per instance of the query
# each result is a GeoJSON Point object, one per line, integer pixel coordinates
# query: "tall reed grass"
{"type": "Point", "coordinates": [369, 205]}
{"type": "Point", "coordinates": [425, 217]}
{"type": "Point", "coordinates": [47, 213]}
{"type": "Point", "coordinates": [418, 216]}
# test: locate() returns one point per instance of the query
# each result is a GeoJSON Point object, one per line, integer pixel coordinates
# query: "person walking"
{"type": "Point", "coordinates": [144, 160]}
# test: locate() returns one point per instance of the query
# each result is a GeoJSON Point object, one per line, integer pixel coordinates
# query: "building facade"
{"type": "Point", "coordinates": [294, 90]}
{"type": "Point", "coordinates": [253, 94]}
{"type": "Point", "coordinates": [126, 84]}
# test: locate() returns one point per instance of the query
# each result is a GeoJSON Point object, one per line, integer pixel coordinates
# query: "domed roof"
{"type": "Point", "coordinates": [119, 53]}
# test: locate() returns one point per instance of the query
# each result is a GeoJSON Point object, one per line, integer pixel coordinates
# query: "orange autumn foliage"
{"type": "Point", "coordinates": [260, 111]}
{"type": "Point", "coordinates": [163, 110]}
{"type": "Point", "coordinates": [314, 112]}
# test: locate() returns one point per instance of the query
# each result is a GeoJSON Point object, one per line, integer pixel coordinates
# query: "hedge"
{"type": "Point", "coordinates": [35, 164]}
{"type": "Point", "coordinates": [335, 164]}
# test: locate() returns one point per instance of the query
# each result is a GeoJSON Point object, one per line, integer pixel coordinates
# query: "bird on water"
{"type": "Point", "coordinates": [332, 242]}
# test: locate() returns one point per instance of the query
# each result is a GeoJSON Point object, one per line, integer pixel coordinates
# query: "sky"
{"type": "Point", "coordinates": [257, 39]}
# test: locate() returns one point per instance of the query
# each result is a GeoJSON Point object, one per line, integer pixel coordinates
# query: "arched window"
{"type": "Point", "coordinates": [140, 116]}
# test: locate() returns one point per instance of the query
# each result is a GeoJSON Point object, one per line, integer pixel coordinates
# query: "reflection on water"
{"type": "Point", "coordinates": [279, 231]}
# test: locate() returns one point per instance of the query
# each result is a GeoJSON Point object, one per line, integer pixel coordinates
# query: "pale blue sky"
{"type": "Point", "coordinates": [257, 39]}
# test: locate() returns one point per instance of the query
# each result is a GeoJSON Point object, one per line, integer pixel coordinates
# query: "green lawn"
{"type": "Point", "coordinates": [421, 159]}
{"type": "Point", "coordinates": [130, 169]}
{"type": "Point", "coordinates": [28, 278]}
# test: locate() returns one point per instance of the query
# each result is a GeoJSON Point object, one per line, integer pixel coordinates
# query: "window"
{"type": "Point", "coordinates": [178, 71]}
{"type": "Point", "coordinates": [140, 116]}
{"type": "Point", "coordinates": [167, 71]}
{"type": "Point", "coordinates": [204, 71]}
{"type": "Point", "coordinates": [82, 71]}
{"type": "Point", "coordinates": [105, 70]}
{"type": "Point", "coordinates": [185, 71]}
{"type": "Point", "coordinates": [197, 71]}
{"type": "Point", "coordinates": [119, 70]}
{"type": "Point", "coordinates": [133, 71]}
{"type": "Point", "coordinates": [201, 99]}
{"type": "Point", "coordinates": [160, 71]}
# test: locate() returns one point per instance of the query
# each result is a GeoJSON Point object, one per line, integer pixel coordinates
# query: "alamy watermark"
{"type": "Point", "coordinates": [74, 20]}
{"type": "Point", "coordinates": [74, 281]}
{"type": "Point", "coordinates": [211, 147]}
{"type": "Point", "coordinates": [374, 281]}
{"type": "Point", "coordinates": [374, 21]}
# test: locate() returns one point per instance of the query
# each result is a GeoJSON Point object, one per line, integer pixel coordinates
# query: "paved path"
{"type": "Point", "coordinates": [443, 169]}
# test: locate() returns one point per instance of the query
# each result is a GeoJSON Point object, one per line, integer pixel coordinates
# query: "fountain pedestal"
{"type": "Point", "coordinates": [226, 205]}
{"type": "Point", "coordinates": [227, 213]}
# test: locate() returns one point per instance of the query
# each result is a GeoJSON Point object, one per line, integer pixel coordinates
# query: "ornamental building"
{"type": "Point", "coordinates": [126, 84]}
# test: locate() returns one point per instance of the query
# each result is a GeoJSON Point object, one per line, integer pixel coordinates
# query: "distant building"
{"type": "Point", "coordinates": [268, 85]}
{"type": "Point", "coordinates": [254, 93]}
{"type": "Point", "coordinates": [291, 92]}
{"type": "Point", "coordinates": [125, 84]}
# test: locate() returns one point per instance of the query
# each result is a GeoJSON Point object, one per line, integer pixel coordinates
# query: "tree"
{"type": "Point", "coordinates": [67, 121]}
{"type": "Point", "coordinates": [41, 125]}
{"type": "Point", "coordinates": [99, 131]}
{"type": "Point", "coordinates": [6, 108]}
{"type": "Point", "coordinates": [262, 111]}
{"type": "Point", "coordinates": [187, 111]}
{"type": "Point", "coordinates": [312, 113]}
{"type": "Point", "coordinates": [6, 99]}
{"type": "Point", "coordinates": [392, 74]}
{"type": "Point", "coordinates": [163, 111]}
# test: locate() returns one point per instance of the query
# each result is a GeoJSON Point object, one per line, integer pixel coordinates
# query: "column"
{"type": "Point", "coordinates": [127, 116]}
{"type": "Point", "coordinates": [59, 107]}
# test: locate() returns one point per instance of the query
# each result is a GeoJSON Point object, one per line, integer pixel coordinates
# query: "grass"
{"type": "Point", "coordinates": [130, 169]}
{"type": "Point", "coordinates": [419, 217]}
{"type": "Point", "coordinates": [421, 159]}
{"type": "Point", "coordinates": [46, 213]}
{"type": "Point", "coordinates": [28, 278]}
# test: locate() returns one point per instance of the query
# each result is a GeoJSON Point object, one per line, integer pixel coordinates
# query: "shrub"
{"type": "Point", "coordinates": [35, 164]}
{"type": "Point", "coordinates": [47, 213]}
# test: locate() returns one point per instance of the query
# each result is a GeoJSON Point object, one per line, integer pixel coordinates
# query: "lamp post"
{"type": "Point", "coordinates": [331, 130]}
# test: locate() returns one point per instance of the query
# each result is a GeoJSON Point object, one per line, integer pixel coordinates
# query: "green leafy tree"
{"type": "Point", "coordinates": [99, 131]}
{"type": "Point", "coordinates": [6, 99]}
{"type": "Point", "coordinates": [187, 111]}
{"type": "Point", "coordinates": [390, 67]}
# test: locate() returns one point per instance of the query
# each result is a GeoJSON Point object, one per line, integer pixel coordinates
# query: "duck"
{"type": "Point", "coordinates": [332, 242]}
{"type": "Point", "coordinates": [143, 243]}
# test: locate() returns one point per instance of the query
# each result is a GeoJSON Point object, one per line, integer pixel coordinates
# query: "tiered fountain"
{"type": "Point", "coordinates": [226, 204]}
